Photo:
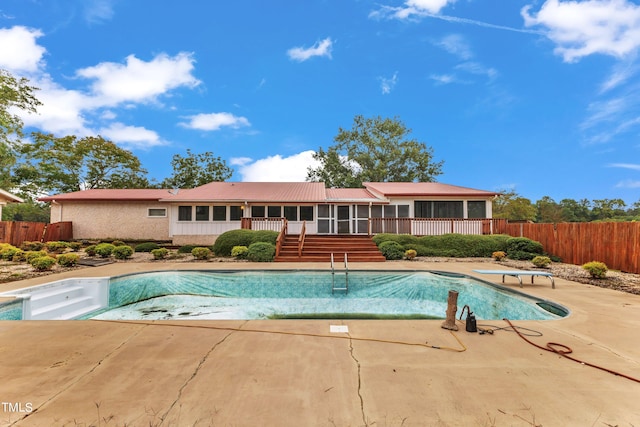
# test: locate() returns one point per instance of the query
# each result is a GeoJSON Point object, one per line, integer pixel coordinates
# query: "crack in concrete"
{"type": "Point", "coordinates": [590, 341]}
{"type": "Point", "coordinates": [193, 375]}
{"type": "Point", "coordinates": [81, 377]}
{"type": "Point", "coordinates": [364, 417]}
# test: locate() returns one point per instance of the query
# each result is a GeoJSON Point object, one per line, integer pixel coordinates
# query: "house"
{"type": "Point", "coordinates": [6, 197]}
{"type": "Point", "coordinates": [199, 215]}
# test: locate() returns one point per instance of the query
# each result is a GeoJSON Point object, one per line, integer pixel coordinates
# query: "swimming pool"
{"type": "Point", "coordinates": [308, 294]}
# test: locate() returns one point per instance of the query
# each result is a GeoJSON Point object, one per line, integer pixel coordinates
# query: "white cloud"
{"type": "Point", "coordinates": [62, 111]}
{"type": "Point", "coordinates": [443, 79]}
{"type": "Point", "coordinates": [620, 74]}
{"type": "Point", "coordinates": [140, 81]}
{"type": "Point", "coordinates": [320, 48]}
{"type": "Point", "coordinates": [456, 45]}
{"type": "Point", "coordinates": [631, 166]}
{"type": "Point", "coordinates": [277, 168]}
{"type": "Point", "coordinates": [96, 11]}
{"type": "Point", "coordinates": [215, 121]}
{"type": "Point", "coordinates": [131, 136]}
{"type": "Point", "coordinates": [477, 68]}
{"type": "Point", "coordinates": [240, 161]}
{"type": "Point", "coordinates": [388, 83]}
{"type": "Point", "coordinates": [19, 51]}
{"type": "Point", "coordinates": [628, 183]}
{"type": "Point", "coordinates": [610, 27]}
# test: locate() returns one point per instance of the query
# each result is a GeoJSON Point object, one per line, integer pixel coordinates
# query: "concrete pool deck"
{"type": "Point", "coordinates": [297, 373]}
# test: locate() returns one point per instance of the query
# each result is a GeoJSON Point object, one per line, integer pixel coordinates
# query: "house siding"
{"type": "Point", "coordinates": [113, 220]}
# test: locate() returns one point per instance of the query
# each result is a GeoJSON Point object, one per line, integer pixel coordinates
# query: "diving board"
{"type": "Point", "coordinates": [519, 273]}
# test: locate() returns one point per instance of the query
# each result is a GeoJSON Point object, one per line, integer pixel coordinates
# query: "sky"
{"type": "Point", "coordinates": [540, 97]}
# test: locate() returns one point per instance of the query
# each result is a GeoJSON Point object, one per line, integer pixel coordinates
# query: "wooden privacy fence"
{"type": "Point", "coordinates": [617, 244]}
{"type": "Point", "coordinates": [17, 232]}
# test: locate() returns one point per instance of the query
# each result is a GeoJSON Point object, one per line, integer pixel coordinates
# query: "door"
{"type": "Point", "coordinates": [343, 219]}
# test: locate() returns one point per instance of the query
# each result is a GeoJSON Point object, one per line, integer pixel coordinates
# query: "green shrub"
{"type": "Point", "coordinates": [75, 246]}
{"type": "Point", "coordinates": [7, 252]}
{"type": "Point", "coordinates": [186, 249]}
{"type": "Point", "coordinates": [596, 269]}
{"type": "Point", "coordinates": [118, 243]}
{"type": "Point", "coordinates": [29, 255]}
{"type": "Point", "coordinates": [160, 253]}
{"type": "Point", "coordinates": [122, 252]}
{"type": "Point", "coordinates": [18, 256]}
{"type": "Point", "coordinates": [239, 252]}
{"type": "Point", "coordinates": [147, 247]}
{"type": "Point", "coordinates": [498, 255]}
{"type": "Point", "coordinates": [201, 253]}
{"type": "Point", "coordinates": [32, 246]}
{"type": "Point", "coordinates": [227, 240]}
{"type": "Point", "coordinates": [266, 236]}
{"type": "Point", "coordinates": [104, 249]}
{"type": "Point", "coordinates": [261, 252]}
{"type": "Point", "coordinates": [90, 250]}
{"type": "Point", "coordinates": [56, 247]}
{"type": "Point", "coordinates": [410, 254]}
{"type": "Point", "coordinates": [448, 245]}
{"type": "Point", "coordinates": [541, 261]}
{"type": "Point", "coordinates": [68, 260]}
{"type": "Point", "coordinates": [391, 250]}
{"type": "Point", "coordinates": [521, 248]}
{"type": "Point", "coordinates": [42, 263]}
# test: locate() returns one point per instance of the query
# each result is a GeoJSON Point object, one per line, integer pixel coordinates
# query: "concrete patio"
{"type": "Point", "coordinates": [297, 373]}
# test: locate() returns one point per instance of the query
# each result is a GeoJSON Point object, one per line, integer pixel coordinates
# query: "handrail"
{"type": "Point", "coordinates": [281, 236]}
{"type": "Point", "coordinates": [303, 233]}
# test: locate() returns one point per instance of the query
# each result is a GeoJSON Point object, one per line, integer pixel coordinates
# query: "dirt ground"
{"type": "Point", "coordinates": [625, 282]}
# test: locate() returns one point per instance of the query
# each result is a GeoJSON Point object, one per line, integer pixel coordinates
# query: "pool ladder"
{"type": "Point", "coordinates": [346, 276]}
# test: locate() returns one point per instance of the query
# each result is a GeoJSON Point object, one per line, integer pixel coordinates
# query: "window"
{"type": "Point", "coordinates": [376, 211]}
{"type": "Point", "coordinates": [184, 213]}
{"type": "Point", "coordinates": [447, 209]}
{"type": "Point", "coordinates": [219, 213]}
{"type": "Point", "coordinates": [403, 211]}
{"type": "Point", "coordinates": [257, 211]}
{"type": "Point", "coordinates": [274, 211]}
{"type": "Point", "coordinates": [422, 209]}
{"type": "Point", "coordinates": [235, 213]}
{"type": "Point", "coordinates": [202, 213]}
{"type": "Point", "coordinates": [306, 213]}
{"type": "Point", "coordinates": [437, 209]}
{"type": "Point", "coordinates": [291, 213]}
{"type": "Point", "coordinates": [157, 212]}
{"type": "Point", "coordinates": [477, 209]}
{"type": "Point", "coordinates": [390, 211]}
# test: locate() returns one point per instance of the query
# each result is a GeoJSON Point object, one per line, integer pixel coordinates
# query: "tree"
{"type": "Point", "coordinates": [509, 205]}
{"type": "Point", "coordinates": [374, 150]}
{"type": "Point", "coordinates": [195, 170]}
{"type": "Point", "coordinates": [604, 209]}
{"type": "Point", "coordinates": [548, 210]}
{"type": "Point", "coordinates": [62, 165]}
{"type": "Point", "coordinates": [575, 211]}
{"type": "Point", "coordinates": [14, 94]}
{"type": "Point", "coordinates": [28, 211]}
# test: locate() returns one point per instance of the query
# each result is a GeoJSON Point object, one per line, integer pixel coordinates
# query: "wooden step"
{"type": "Point", "coordinates": [318, 248]}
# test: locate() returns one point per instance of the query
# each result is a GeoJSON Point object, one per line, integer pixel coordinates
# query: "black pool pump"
{"type": "Point", "coordinates": [471, 325]}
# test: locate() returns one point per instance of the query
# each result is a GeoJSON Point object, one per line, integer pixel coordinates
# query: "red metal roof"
{"type": "Point", "coordinates": [294, 192]}
{"type": "Point", "coordinates": [424, 189]}
{"type": "Point", "coordinates": [109, 194]}
{"type": "Point", "coordinates": [285, 192]}
{"type": "Point", "coordinates": [350, 195]}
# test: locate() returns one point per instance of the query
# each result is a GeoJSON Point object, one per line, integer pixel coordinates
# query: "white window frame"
{"type": "Point", "coordinates": [156, 216]}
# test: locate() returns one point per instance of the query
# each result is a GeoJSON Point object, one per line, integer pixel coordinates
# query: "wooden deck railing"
{"type": "Point", "coordinates": [273, 224]}
{"type": "Point", "coordinates": [303, 233]}
{"type": "Point", "coordinates": [436, 226]}
{"type": "Point", "coordinates": [281, 236]}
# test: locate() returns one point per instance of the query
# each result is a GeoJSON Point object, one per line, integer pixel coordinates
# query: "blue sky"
{"type": "Point", "coordinates": [536, 96]}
